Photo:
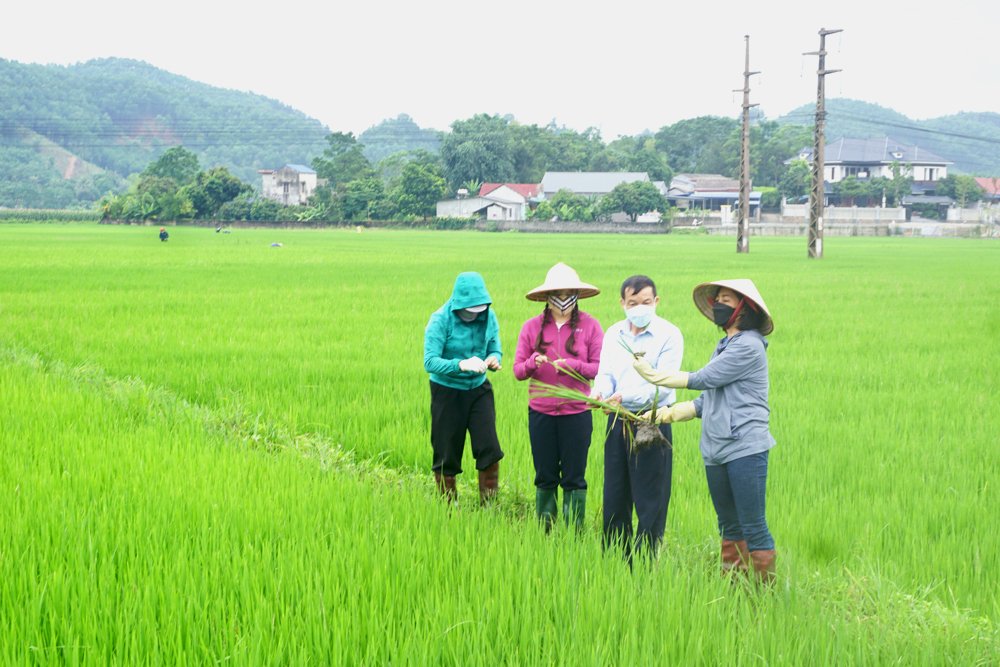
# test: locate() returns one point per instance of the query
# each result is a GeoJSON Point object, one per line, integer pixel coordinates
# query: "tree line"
{"type": "Point", "coordinates": [407, 185]}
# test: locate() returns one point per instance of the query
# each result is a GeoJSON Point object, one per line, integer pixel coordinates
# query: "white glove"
{"type": "Point", "coordinates": [673, 379]}
{"type": "Point", "coordinates": [678, 412]}
{"type": "Point", "coordinates": [472, 365]}
{"type": "Point", "coordinates": [683, 411]}
{"type": "Point", "coordinates": [663, 416]}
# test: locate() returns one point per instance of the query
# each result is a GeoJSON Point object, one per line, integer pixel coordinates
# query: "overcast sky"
{"type": "Point", "coordinates": [622, 66]}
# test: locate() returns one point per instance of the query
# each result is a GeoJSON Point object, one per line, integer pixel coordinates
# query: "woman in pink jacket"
{"type": "Point", "coordinates": [562, 337]}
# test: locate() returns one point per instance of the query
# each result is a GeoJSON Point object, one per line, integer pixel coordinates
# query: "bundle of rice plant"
{"type": "Point", "coordinates": [640, 431]}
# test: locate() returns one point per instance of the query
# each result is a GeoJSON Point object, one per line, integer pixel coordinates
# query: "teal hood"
{"type": "Point", "coordinates": [448, 339]}
{"type": "Point", "coordinates": [470, 290]}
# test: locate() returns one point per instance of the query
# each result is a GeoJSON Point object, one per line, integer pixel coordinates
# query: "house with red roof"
{"type": "Point", "coordinates": [495, 201]}
{"type": "Point", "coordinates": [991, 188]}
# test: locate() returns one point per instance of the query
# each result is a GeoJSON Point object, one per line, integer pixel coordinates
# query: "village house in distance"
{"type": "Point", "coordinates": [514, 201]}
{"type": "Point", "coordinates": [291, 185]}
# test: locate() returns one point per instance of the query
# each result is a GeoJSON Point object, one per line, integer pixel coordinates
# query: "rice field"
{"type": "Point", "coordinates": [216, 451]}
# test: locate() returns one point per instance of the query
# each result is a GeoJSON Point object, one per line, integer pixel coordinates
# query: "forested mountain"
{"type": "Point", "coordinates": [970, 140]}
{"type": "Point", "coordinates": [68, 134]}
{"type": "Point", "coordinates": [396, 135]}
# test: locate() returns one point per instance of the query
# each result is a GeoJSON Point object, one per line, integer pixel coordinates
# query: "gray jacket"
{"type": "Point", "coordinates": [733, 404]}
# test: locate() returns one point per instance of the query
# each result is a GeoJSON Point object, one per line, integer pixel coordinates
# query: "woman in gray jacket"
{"type": "Point", "coordinates": [733, 407]}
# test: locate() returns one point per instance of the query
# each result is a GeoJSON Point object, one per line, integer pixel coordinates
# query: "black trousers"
{"type": "Point", "coordinates": [559, 446]}
{"type": "Point", "coordinates": [635, 478]}
{"type": "Point", "coordinates": [455, 412]}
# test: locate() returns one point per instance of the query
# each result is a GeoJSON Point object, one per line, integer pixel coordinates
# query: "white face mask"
{"type": "Point", "coordinates": [467, 315]}
{"type": "Point", "coordinates": [640, 316]}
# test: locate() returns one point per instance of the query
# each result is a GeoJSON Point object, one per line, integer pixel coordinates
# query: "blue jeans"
{"type": "Point", "coordinates": [738, 490]}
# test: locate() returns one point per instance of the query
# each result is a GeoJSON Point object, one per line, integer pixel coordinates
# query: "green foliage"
{"type": "Point", "coordinates": [342, 160]}
{"type": "Point", "coordinates": [849, 190]}
{"type": "Point", "coordinates": [252, 207]}
{"type": "Point", "coordinates": [49, 215]}
{"type": "Point", "coordinates": [963, 189]}
{"type": "Point", "coordinates": [633, 199]}
{"type": "Point", "coordinates": [901, 183]}
{"type": "Point", "coordinates": [696, 146]}
{"type": "Point", "coordinates": [157, 197]}
{"type": "Point", "coordinates": [771, 144]}
{"type": "Point", "coordinates": [398, 135]}
{"type": "Point", "coordinates": [177, 163]}
{"type": "Point", "coordinates": [362, 199]}
{"type": "Point", "coordinates": [213, 188]}
{"type": "Point", "coordinates": [480, 148]}
{"type": "Point", "coordinates": [567, 206]}
{"type": "Point", "coordinates": [420, 187]}
{"type": "Point", "coordinates": [796, 182]}
{"type": "Point", "coordinates": [390, 169]}
{"type": "Point", "coordinates": [121, 114]}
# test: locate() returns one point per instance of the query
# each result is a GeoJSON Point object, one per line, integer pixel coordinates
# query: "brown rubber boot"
{"type": "Point", "coordinates": [489, 481]}
{"type": "Point", "coordinates": [735, 556]}
{"type": "Point", "coordinates": [763, 565]}
{"type": "Point", "coordinates": [446, 486]}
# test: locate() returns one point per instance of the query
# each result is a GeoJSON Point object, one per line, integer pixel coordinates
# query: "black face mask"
{"type": "Point", "coordinates": [721, 313]}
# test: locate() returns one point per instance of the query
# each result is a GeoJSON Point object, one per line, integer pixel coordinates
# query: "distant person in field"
{"type": "Point", "coordinates": [561, 346]}
{"type": "Point", "coordinates": [636, 478]}
{"type": "Point", "coordinates": [163, 234]}
{"type": "Point", "coordinates": [733, 407]}
{"type": "Point", "coordinates": [462, 343]}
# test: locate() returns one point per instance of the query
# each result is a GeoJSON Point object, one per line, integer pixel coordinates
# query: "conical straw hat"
{"type": "Point", "coordinates": [704, 297]}
{"type": "Point", "coordinates": [562, 277]}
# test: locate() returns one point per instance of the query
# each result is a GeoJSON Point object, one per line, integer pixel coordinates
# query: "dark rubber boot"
{"type": "Point", "coordinates": [575, 507]}
{"type": "Point", "coordinates": [545, 507]}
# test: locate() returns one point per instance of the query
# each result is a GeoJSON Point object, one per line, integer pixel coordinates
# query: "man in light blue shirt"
{"type": "Point", "coordinates": [638, 478]}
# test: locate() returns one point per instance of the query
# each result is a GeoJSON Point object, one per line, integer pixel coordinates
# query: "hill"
{"type": "Point", "coordinates": [970, 140]}
{"type": "Point", "coordinates": [395, 135]}
{"type": "Point", "coordinates": [70, 133]}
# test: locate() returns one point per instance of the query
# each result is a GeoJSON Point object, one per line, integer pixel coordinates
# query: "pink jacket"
{"type": "Point", "coordinates": [587, 343]}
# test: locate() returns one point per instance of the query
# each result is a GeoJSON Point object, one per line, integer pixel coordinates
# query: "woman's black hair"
{"type": "Point", "coordinates": [751, 315]}
{"type": "Point", "coordinates": [750, 318]}
{"type": "Point", "coordinates": [574, 320]}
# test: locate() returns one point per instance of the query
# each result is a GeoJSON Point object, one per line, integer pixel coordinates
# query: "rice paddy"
{"type": "Point", "coordinates": [217, 451]}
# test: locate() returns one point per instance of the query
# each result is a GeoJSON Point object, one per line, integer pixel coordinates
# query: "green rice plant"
{"type": "Point", "coordinates": [215, 450]}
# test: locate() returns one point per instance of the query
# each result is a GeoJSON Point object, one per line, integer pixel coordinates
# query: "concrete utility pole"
{"type": "Point", "coordinates": [743, 228]}
{"type": "Point", "coordinates": [817, 191]}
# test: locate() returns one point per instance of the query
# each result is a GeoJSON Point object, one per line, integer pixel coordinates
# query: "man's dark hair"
{"type": "Point", "coordinates": [637, 284]}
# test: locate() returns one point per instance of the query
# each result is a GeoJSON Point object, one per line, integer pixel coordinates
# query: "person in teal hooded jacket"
{"type": "Point", "coordinates": [462, 343]}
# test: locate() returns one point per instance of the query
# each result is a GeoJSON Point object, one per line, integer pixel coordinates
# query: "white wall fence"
{"type": "Point", "coordinates": [795, 212]}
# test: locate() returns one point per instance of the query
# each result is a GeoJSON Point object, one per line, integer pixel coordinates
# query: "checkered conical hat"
{"type": "Point", "coordinates": [704, 297]}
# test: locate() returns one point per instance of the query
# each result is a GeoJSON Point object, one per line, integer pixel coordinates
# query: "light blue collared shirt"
{"type": "Point", "coordinates": [664, 347]}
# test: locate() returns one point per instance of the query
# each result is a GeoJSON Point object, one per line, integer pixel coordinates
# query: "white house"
{"type": "Point", "coordinates": [874, 157]}
{"type": "Point", "coordinates": [291, 185]}
{"type": "Point", "coordinates": [496, 201]}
